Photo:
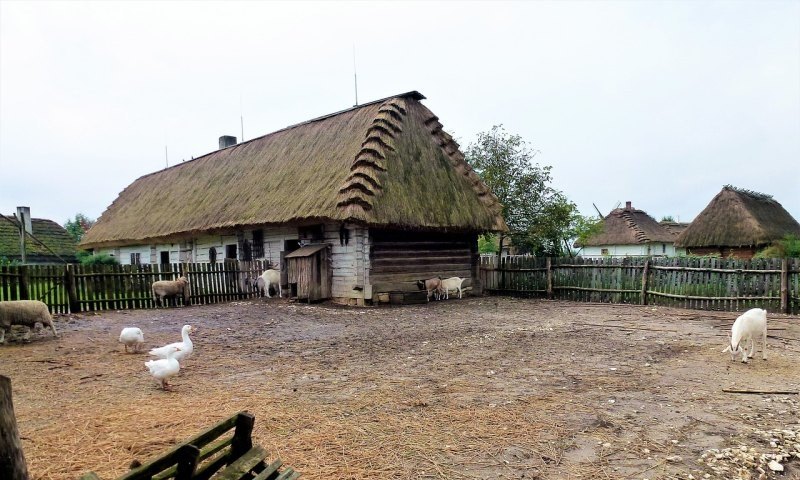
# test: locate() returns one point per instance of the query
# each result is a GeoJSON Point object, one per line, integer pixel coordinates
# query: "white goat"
{"type": "Point", "coordinates": [272, 278]}
{"type": "Point", "coordinates": [749, 324]}
{"type": "Point", "coordinates": [26, 313]}
{"type": "Point", "coordinates": [170, 288]}
{"type": "Point", "coordinates": [431, 285]}
{"type": "Point", "coordinates": [452, 283]}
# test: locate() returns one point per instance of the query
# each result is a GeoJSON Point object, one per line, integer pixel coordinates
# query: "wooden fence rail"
{"type": "Point", "coordinates": [697, 283]}
{"type": "Point", "coordinates": [78, 288]}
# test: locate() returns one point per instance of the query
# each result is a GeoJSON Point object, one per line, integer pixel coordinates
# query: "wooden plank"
{"type": "Point", "coordinates": [288, 474]}
{"type": "Point", "coordinates": [271, 472]}
{"type": "Point", "coordinates": [242, 465]}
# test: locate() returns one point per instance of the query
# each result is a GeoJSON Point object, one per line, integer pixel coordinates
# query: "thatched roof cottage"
{"type": "Point", "coordinates": [737, 223]}
{"type": "Point", "coordinates": [54, 245]}
{"type": "Point", "coordinates": [381, 184]}
{"type": "Point", "coordinates": [629, 232]}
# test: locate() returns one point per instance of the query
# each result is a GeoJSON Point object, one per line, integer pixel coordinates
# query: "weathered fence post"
{"type": "Point", "coordinates": [785, 304]}
{"type": "Point", "coordinates": [549, 278]}
{"type": "Point", "coordinates": [23, 283]}
{"type": "Point", "coordinates": [12, 460]}
{"type": "Point", "coordinates": [72, 289]}
{"type": "Point", "coordinates": [645, 271]}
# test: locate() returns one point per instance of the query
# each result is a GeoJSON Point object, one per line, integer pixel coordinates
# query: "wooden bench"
{"type": "Point", "coordinates": [214, 455]}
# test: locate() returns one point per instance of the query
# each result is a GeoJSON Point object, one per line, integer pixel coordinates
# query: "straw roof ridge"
{"type": "Point", "coordinates": [362, 184]}
{"type": "Point", "coordinates": [738, 217]}
{"type": "Point", "coordinates": [457, 160]}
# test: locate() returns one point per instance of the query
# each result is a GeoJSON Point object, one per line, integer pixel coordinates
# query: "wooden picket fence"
{"type": "Point", "coordinates": [697, 283]}
{"type": "Point", "coordinates": [78, 288]}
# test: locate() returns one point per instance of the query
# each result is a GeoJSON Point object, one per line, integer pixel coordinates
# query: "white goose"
{"type": "Point", "coordinates": [184, 348]}
{"type": "Point", "coordinates": [131, 337]}
{"type": "Point", "coordinates": [164, 368]}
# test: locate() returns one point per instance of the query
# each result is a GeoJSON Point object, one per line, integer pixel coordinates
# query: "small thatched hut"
{"type": "Point", "coordinates": [381, 183]}
{"type": "Point", "coordinates": [54, 245]}
{"type": "Point", "coordinates": [629, 232]}
{"type": "Point", "coordinates": [737, 223]}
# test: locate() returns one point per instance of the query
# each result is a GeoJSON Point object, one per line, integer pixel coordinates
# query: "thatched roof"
{"type": "Point", "coordinates": [385, 163]}
{"type": "Point", "coordinates": [675, 228]}
{"type": "Point", "coordinates": [47, 231]}
{"type": "Point", "coordinates": [628, 226]}
{"type": "Point", "coordinates": [739, 218]}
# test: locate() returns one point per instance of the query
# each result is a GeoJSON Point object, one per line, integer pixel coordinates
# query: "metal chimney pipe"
{"type": "Point", "coordinates": [226, 141]}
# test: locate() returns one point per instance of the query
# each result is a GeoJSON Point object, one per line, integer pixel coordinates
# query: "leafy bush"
{"type": "Point", "coordinates": [5, 261]}
{"type": "Point", "coordinates": [87, 258]}
{"type": "Point", "coordinates": [788, 247]}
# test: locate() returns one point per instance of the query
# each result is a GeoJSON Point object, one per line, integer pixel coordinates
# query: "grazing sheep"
{"type": "Point", "coordinates": [170, 288]}
{"type": "Point", "coordinates": [431, 285]}
{"type": "Point", "coordinates": [271, 278]}
{"type": "Point", "coordinates": [26, 313]}
{"type": "Point", "coordinates": [749, 324]}
{"type": "Point", "coordinates": [452, 283]}
{"type": "Point", "coordinates": [257, 285]}
{"type": "Point", "coordinates": [131, 337]}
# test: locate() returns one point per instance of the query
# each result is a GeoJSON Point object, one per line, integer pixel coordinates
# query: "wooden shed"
{"type": "Point", "coordinates": [308, 273]}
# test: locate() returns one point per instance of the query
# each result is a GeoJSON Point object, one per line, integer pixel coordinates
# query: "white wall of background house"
{"type": "Point", "coordinates": [638, 250]}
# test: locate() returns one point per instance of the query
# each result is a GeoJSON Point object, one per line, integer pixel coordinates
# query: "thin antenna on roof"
{"type": "Point", "coordinates": [241, 115]}
{"type": "Point", "coordinates": [166, 155]}
{"type": "Point", "coordinates": [355, 75]}
{"type": "Point", "coordinates": [598, 210]}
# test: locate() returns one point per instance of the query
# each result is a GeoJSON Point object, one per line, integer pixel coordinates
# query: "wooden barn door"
{"type": "Point", "coordinates": [398, 259]}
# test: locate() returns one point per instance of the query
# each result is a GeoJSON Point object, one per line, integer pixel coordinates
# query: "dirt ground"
{"type": "Point", "coordinates": [490, 387]}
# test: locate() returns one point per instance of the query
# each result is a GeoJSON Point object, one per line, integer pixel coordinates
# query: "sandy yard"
{"type": "Point", "coordinates": [488, 387]}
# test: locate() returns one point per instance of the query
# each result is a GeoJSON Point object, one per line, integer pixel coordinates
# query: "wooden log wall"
{"type": "Point", "coordinates": [697, 283]}
{"type": "Point", "coordinates": [399, 259]}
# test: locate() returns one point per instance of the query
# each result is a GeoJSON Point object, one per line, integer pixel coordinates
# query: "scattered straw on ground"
{"type": "Point", "coordinates": [462, 389]}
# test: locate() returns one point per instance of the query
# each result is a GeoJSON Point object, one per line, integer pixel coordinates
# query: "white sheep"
{"type": "Point", "coordinates": [452, 283]}
{"type": "Point", "coordinates": [170, 288]}
{"type": "Point", "coordinates": [271, 278]}
{"type": "Point", "coordinates": [749, 324]}
{"type": "Point", "coordinates": [26, 313]}
{"type": "Point", "coordinates": [131, 337]}
{"type": "Point", "coordinates": [431, 285]}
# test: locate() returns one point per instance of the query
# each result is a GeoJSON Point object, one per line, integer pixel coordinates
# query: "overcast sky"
{"type": "Point", "coordinates": [660, 103]}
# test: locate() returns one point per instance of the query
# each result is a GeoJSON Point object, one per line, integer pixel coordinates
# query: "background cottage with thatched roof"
{"type": "Point", "coordinates": [628, 232]}
{"type": "Point", "coordinates": [46, 243]}
{"type": "Point", "coordinates": [381, 184]}
{"type": "Point", "coordinates": [737, 223]}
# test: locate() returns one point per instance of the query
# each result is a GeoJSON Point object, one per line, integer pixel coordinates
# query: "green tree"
{"type": "Point", "coordinates": [667, 218]}
{"type": "Point", "coordinates": [538, 216]}
{"type": "Point", "coordinates": [486, 243]}
{"type": "Point", "coordinates": [78, 225]}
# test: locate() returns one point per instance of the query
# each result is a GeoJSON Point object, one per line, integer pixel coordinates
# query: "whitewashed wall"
{"type": "Point", "coordinates": [125, 254]}
{"type": "Point", "coordinates": [655, 249]}
{"type": "Point", "coordinates": [174, 250]}
{"type": "Point", "coordinates": [274, 239]}
{"type": "Point", "coordinates": [349, 263]}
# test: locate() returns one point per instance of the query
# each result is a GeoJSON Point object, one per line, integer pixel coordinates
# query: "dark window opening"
{"type": "Point", "coordinates": [258, 243]}
{"type": "Point", "coordinates": [311, 234]}
{"type": "Point", "coordinates": [164, 258]}
{"type": "Point", "coordinates": [212, 255]}
{"type": "Point", "coordinates": [136, 258]}
{"type": "Point", "coordinates": [247, 251]}
{"type": "Point", "coordinates": [230, 251]}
